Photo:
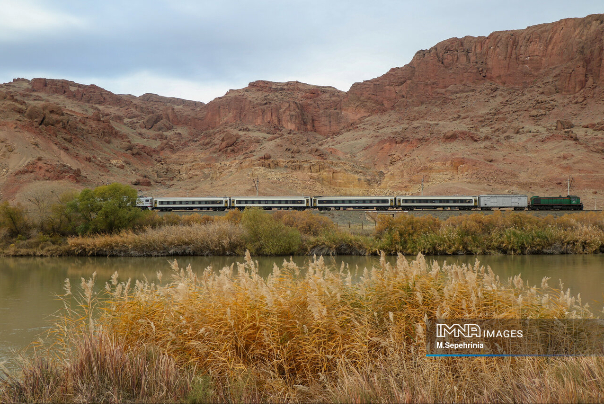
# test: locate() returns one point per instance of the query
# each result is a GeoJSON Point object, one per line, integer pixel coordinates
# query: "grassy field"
{"type": "Point", "coordinates": [233, 336]}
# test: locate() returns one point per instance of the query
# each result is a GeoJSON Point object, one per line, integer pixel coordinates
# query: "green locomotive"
{"type": "Point", "coordinates": [570, 202]}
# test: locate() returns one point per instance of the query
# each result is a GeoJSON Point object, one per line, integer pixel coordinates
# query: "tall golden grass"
{"type": "Point", "coordinates": [322, 336]}
{"type": "Point", "coordinates": [210, 238]}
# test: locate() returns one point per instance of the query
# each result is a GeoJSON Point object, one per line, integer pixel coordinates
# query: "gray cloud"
{"type": "Point", "coordinates": [214, 46]}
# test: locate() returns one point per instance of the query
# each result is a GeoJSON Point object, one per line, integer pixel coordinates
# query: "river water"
{"type": "Point", "coordinates": [29, 286]}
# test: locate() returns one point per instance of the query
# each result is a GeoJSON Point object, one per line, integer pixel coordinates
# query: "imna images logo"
{"type": "Point", "coordinates": [458, 330]}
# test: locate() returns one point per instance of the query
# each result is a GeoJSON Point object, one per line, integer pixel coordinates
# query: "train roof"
{"type": "Point", "coordinates": [268, 197]}
{"type": "Point", "coordinates": [189, 198]}
{"type": "Point", "coordinates": [353, 197]}
{"type": "Point", "coordinates": [436, 196]}
{"type": "Point", "coordinates": [502, 195]}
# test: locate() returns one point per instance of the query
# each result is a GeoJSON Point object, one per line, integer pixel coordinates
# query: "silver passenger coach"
{"type": "Point", "coordinates": [355, 202]}
{"type": "Point", "coordinates": [270, 202]}
{"type": "Point", "coordinates": [191, 203]}
{"type": "Point", "coordinates": [436, 202]}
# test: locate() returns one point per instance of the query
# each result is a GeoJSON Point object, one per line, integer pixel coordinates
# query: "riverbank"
{"type": "Point", "coordinates": [306, 233]}
{"type": "Point", "coordinates": [233, 336]}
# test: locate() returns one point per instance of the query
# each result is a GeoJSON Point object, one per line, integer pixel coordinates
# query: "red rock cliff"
{"type": "Point", "coordinates": [566, 54]}
{"type": "Point", "coordinates": [292, 105]}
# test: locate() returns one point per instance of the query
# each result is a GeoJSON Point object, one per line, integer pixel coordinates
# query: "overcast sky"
{"type": "Point", "coordinates": [198, 50]}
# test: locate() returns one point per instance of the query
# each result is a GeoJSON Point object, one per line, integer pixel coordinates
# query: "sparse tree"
{"type": "Point", "coordinates": [14, 220]}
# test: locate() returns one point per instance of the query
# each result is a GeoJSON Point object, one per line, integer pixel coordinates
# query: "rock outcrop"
{"type": "Point", "coordinates": [293, 106]}
{"type": "Point", "coordinates": [566, 55]}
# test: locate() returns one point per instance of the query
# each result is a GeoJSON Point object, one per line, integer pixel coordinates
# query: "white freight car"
{"type": "Point", "coordinates": [488, 202]}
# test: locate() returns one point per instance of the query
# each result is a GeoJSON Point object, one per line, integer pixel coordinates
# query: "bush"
{"type": "Point", "coordinates": [107, 209]}
{"type": "Point", "coordinates": [268, 236]}
{"type": "Point", "coordinates": [233, 216]}
{"type": "Point", "coordinates": [306, 222]}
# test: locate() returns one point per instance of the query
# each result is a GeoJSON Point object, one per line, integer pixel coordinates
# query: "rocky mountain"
{"type": "Point", "coordinates": [516, 111]}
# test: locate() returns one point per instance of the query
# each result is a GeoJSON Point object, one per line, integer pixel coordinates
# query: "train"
{"type": "Point", "coordinates": [379, 203]}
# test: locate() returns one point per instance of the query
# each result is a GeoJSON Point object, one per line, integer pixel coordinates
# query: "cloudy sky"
{"type": "Point", "coordinates": [198, 49]}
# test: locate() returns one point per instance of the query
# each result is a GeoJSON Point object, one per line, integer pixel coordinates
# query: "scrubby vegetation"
{"type": "Point", "coordinates": [104, 221]}
{"type": "Point", "coordinates": [233, 336]}
{"type": "Point", "coordinates": [507, 233]}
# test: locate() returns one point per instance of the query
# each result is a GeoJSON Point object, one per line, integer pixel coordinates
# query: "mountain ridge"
{"type": "Point", "coordinates": [515, 111]}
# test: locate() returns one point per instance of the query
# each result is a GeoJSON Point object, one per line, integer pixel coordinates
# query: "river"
{"type": "Point", "coordinates": [29, 286]}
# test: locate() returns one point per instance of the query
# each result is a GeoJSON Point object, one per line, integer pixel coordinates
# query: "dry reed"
{"type": "Point", "coordinates": [318, 336]}
{"type": "Point", "coordinates": [209, 238]}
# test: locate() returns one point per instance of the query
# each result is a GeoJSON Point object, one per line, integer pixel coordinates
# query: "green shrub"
{"type": "Point", "coordinates": [107, 209]}
{"type": "Point", "coordinates": [268, 236]}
